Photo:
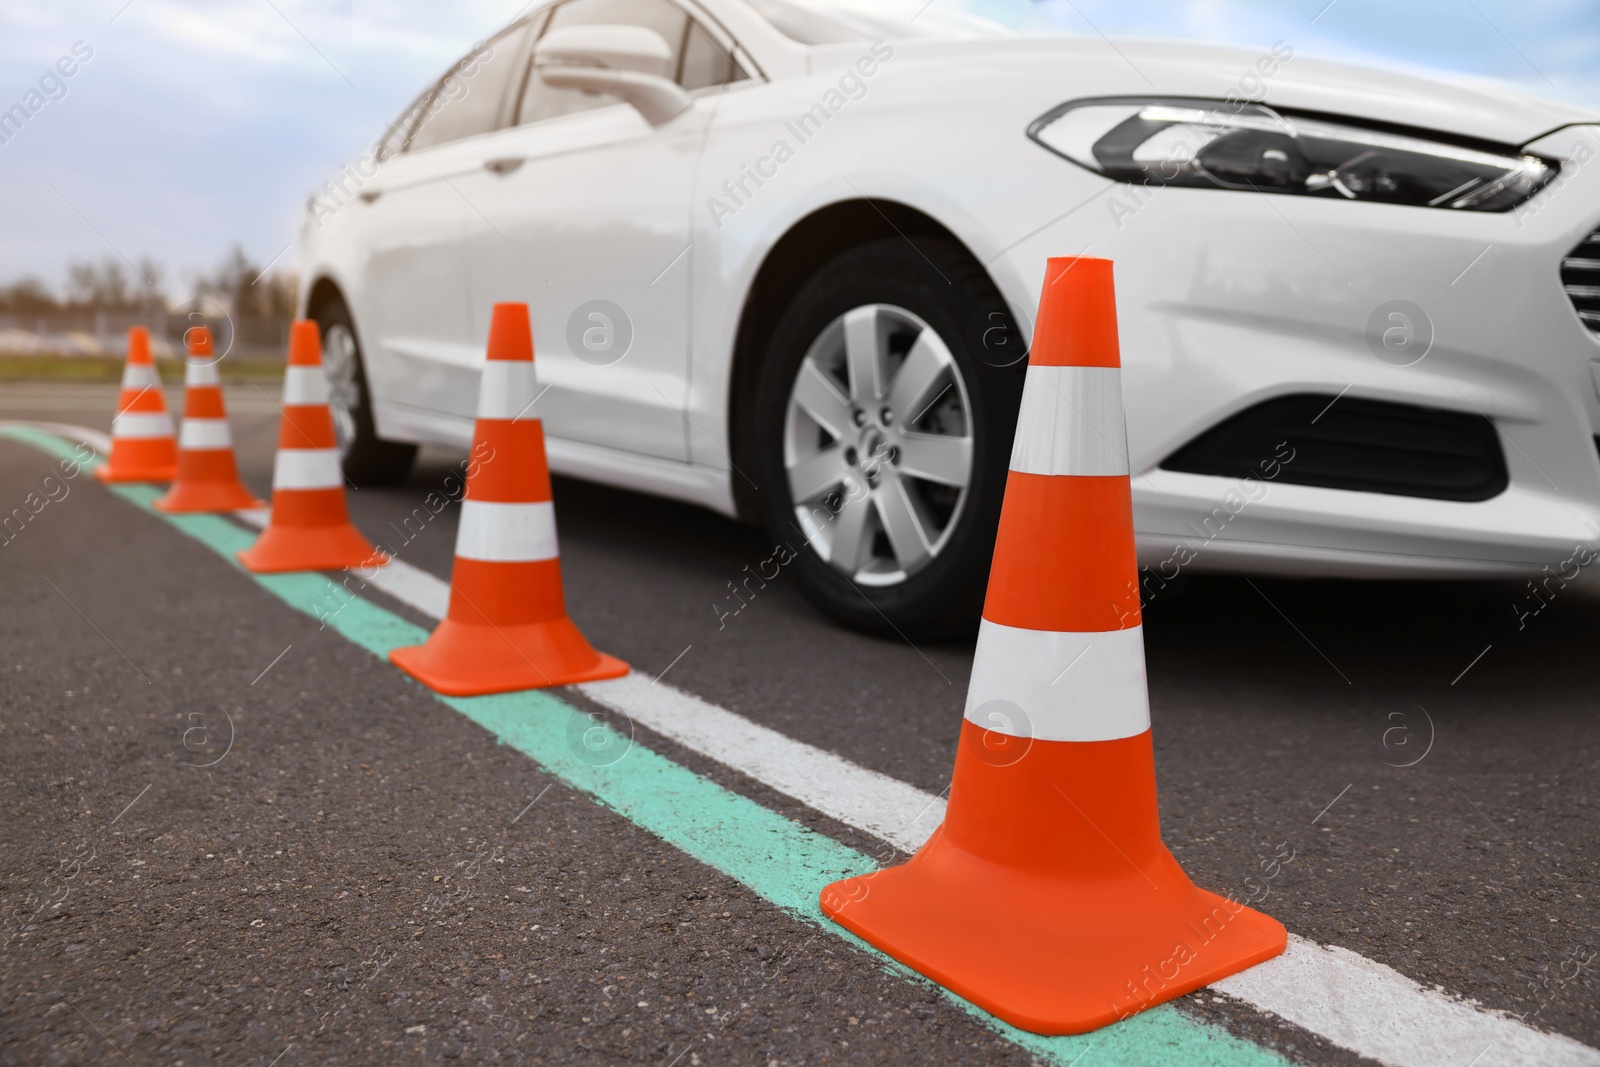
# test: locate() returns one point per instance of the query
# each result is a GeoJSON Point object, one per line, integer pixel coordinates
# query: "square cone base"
{"type": "Point", "coordinates": [207, 497]}
{"type": "Point", "coordinates": [135, 474]}
{"type": "Point", "coordinates": [1051, 956]}
{"type": "Point", "coordinates": [310, 548]}
{"type": "Point", "coordinates": [465, 659]}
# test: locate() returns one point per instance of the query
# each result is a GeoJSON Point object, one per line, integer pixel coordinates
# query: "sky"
{"type": "Point", "coordinates": [188, 125]}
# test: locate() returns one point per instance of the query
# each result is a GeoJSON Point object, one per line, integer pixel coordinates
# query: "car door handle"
{"type": "Point", "coordinates": [503, 166]}
{"type": "Point", "coordinates": [369, 195]}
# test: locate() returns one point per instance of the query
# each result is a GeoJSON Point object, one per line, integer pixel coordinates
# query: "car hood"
{"type": "Point", "coordinates": [1467, 107]}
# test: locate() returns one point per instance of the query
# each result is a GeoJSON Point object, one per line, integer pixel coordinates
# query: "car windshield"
{"type": "Point", "coordinates": [841, 21]}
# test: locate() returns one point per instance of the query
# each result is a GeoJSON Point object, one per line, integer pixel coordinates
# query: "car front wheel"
{"type": "Point", "coordinates": [885, 413]}
{"type": "Point", "coordinates": [368, 459]}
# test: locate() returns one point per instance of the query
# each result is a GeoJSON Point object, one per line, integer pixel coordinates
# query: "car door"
{"type": "Point", "coordinates": [582, 210]}
{"type": "Point", "coordinates": [416, 310]}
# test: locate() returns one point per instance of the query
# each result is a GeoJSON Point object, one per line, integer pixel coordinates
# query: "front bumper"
{"type": "Point", "coordinates": [1226, 299]}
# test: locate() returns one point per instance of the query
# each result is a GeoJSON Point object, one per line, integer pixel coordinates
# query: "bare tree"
{"type": "Point", "coordinates": [151, 275]}
{"type": "Point", "coordinates": [111, 285]}
{"type": "Point", "coordinates": [260, 303]}
{"type": "Point", "coordinates": [28, 296]}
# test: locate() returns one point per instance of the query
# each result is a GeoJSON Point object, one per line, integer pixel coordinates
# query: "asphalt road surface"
{"type": "Point", "coordinates": [233, 835]}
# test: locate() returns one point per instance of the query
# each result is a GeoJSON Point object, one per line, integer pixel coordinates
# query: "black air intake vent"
{"type": "Point", "coordinates": [1368, 445]}
{"type": "Point", "coordinates": [1580, 277]}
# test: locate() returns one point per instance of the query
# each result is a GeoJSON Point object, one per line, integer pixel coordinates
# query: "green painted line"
{"type": "Point", "coordinates": [48, 443]}
{"type": "Point", "coordinates": [778, 858]}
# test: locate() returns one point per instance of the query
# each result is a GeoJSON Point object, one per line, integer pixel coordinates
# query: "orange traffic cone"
{"type": "Point", "coordinates": [507, 627]}
{"type": "Point", "coordinates": [208, 478]}
{"type": "Point", "coordinates": [310, 529]}
{"type": "Point", "coordinates": [142, 445]}
{"type": "Point", "coordinates": [1047, 896]}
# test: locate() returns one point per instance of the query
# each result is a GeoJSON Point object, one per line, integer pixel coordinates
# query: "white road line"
{"type": "Point", "coordinates": [1354, 1002]}
{"type": "Point", "coordinates": [1346, 998]}
{"type": "Point", "coordinates": [1385, 1016]}
{"type": "Point", "coordinates": [412, 586]}
{"type": "Point", "coordinates": [1357, 1003]}
{"type": "Point", "coordinates": [884, 807]}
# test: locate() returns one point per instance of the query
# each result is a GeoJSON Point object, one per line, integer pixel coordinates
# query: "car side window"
{"type": "Point", "coordinates": [706, 61]}
{"type": "Point", "coordinates": [393, 141]}
{"type": "Point", "coordinates": [466, 101]}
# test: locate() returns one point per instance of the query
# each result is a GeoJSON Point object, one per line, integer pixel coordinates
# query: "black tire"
{"type": "Point", "coordinates": [368, 459]}
{"type": "Point", "coordinates": [938, 282]}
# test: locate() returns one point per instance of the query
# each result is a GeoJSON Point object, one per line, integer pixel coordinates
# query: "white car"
{"type": "Point", "coordinates": [783, 258]}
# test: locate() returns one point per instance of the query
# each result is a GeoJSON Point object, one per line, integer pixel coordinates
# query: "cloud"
{"type": "Point", "coordinates": [1551, 47]}
{"type": "Point", "coordinates": [201, 122]}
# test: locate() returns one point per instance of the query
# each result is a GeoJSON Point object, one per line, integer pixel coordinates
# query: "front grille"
{"type": "Point", "coordinates": [1580, 277]}
{"type": "Point", "coordinates": [1345, 443]}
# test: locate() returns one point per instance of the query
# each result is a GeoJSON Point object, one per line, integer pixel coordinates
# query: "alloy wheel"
{"type": "Point", "coordinates": [878, 444]}
{"type": "Point", "coordinates": [340, 362]}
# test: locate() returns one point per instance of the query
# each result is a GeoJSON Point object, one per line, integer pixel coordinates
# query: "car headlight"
{"type": "Point", "coordinates": [1211, 145]}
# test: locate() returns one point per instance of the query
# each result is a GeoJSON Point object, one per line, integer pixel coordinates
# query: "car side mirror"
{"type": "Point", "coordinates": [629, 62]}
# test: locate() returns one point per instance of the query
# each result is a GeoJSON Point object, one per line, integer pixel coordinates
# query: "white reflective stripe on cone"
{"type": "Point", "coordinates": [1059, 686]}
{"type": "Point", "coordinates": [204, 434]}
{"type": "Point", "coordinates": [142, 424]}
{"type": "Point", "coordinates": [306, 468]}
{"type": "Point", "coordinates": [139, 376]}
{"type": "Point", "coordinates": [197, 373]}
{"type": "Point", "coordinates": [506, 533]}
{"type": "Point", "coordinates": [508, 390]}
{"type": "Point", "coordinates": [1071, 422]}
{"type": "Point", "coordinates": [305, 385]}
